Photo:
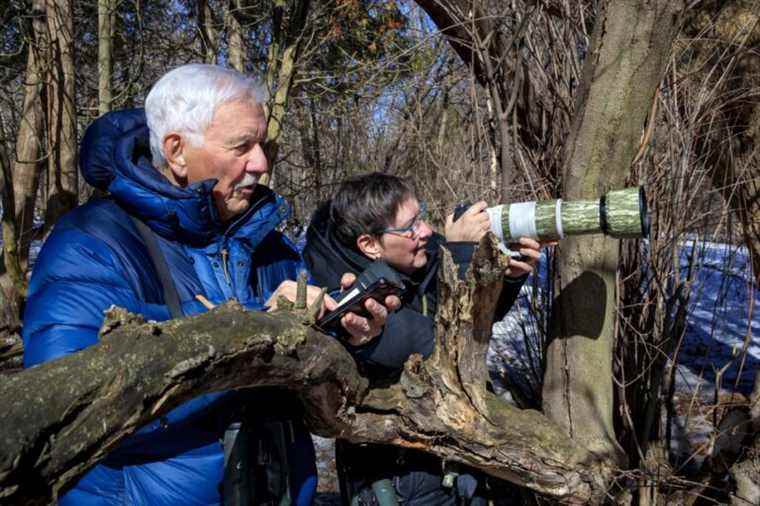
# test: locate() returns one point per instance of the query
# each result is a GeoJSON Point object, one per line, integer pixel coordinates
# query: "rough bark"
{"type": "Point", "coordinates": [64, 416]}
{"type": "Point", "coordinates": [282, 58]}
{"type": "Point", "coordinates": [11, 347]}
{"type": "Point", "coordinates": [629, 51]}
{"type": "Point", "coordinates": [208, 32]}
{"type": "Point", "coordinates": [746, 472]}
{"type": "Point", "coordinates": [105, 65]}
{"type": "Point", "coordinates": [63, 180]}
{"type": "Point", "coordinates": [21, 178]}
{"type": "Point", "coordinates": [236, 43]}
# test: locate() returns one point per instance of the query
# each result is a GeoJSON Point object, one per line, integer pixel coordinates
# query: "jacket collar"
{"type": "Point", "coordinates": [115, 157]}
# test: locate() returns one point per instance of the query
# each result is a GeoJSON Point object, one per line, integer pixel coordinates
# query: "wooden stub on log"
{"type": "Point", "coordinates": [442, 406]}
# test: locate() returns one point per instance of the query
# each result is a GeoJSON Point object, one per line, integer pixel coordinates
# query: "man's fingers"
{"type": "Point", "coordinates": [285, 289]}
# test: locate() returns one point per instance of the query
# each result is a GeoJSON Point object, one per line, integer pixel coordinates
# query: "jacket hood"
{"type": "Point", "coordinates": [324, 248]}
{"type": "Point", "coordinates": [115, 157]}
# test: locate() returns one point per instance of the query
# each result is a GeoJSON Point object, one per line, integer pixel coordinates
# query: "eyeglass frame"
{"type": "Point", "coordinates": [413, 228]}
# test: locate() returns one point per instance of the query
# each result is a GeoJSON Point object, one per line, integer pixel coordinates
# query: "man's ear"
{"type": "Point", "coordinates": [174, 151]}
{"type": "Point", "coordinates": [370, 246]}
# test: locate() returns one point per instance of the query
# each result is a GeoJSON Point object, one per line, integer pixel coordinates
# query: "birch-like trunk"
{"type": "Point", "coordinates": [105, 55]}
{"type": "Point", "coordinates": [63, 180]}
{"type": "Point", "coordinates": [21, 178]}
{"type": "Point", "coordinates": [209, 35]}
{"type": "Point", "coordinates": [236, 42]}
{"type": "Point", "coordinates": [282, 60]}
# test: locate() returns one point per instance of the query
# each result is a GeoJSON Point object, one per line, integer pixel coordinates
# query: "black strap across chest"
{"type": "Point", "coordinates": [171, 297]}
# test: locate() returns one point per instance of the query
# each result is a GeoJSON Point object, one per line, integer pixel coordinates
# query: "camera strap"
{"type": "Point", "coordinates": [171, 297]}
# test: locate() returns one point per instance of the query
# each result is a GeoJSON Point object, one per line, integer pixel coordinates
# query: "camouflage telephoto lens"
{"type": "Point", "coordinates": [619, 214]}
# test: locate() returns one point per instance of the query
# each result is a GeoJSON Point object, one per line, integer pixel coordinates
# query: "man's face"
{"type": "Point", "coordinates": [405, 251]}
{"type": "Point", "coordinates": [232, 152]}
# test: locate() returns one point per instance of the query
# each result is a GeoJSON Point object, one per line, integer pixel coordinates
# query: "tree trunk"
{"type": "Point", "coordinates": [452, 19]}
{"type": "Point", "coordinates": [311, 149]}
{"type": "Point", "coordinates": [282, 58]}
{"type": "Point", "coordinates": [29, 139]}
{"type": "Point", "coordinates": [746, 475]}
{"type": "Point", "coordinates": [62, 417]}
{"type": "Point", "coordinates": [746, 472]}
{"type": "Point", "coordinates": [236, 43]}
{"type": "Point", "coordinates": [63, 178]}
{"type": "Point", "coordinates": [105, 38]}
{"type": "Point", "coordinates": [21, 181]}
{"type": "Point", "coordinates": [208, 31]}
{"type": "Point", "coordinates": [629, 51]}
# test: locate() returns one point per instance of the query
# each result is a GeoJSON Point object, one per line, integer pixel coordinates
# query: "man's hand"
{"type": "Point", "coordinates": [470, 227]}
{"type": "Point", "coordinates": [530, 249]}
{"type": "Point", "coordinates": [289, 289]}
{"type": "Point", "coordinates": [362, 329]}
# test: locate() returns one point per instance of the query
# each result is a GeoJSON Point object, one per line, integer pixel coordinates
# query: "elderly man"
{"type": "Point", "coordinates": [185, 226]}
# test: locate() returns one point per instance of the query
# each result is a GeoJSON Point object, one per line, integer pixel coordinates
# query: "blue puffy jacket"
{"type": "Point", "coordinates": [95, 258]}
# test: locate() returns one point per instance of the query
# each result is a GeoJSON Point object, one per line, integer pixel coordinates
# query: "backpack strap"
{"type": "Point", "coordinates": [171, 297]}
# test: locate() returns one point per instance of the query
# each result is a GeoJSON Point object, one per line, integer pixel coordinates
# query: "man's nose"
{"type": "Point", "coordinates": [257, 160]}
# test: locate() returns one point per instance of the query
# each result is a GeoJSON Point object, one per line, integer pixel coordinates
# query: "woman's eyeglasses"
{"type": "Point", "coordinates": [411, 231]}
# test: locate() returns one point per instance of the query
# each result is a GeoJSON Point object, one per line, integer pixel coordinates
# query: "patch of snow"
{"type": "Point", "coordinates": [723, 315]}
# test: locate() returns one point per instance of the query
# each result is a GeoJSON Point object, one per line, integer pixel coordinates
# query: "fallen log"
{"type": "Point", "coordinates": [62, 417]}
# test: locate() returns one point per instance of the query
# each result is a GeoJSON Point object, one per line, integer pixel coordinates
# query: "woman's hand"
{"type": "Point", "coordinates": [530, 251]}
{"type": "Point", "coordinates": [364, 330]}
{"type": "Point", "coordinates": [470, 227]}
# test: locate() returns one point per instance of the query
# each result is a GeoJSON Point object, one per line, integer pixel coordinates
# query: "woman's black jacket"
{"type": "Point", "coordinates": [411, 328]}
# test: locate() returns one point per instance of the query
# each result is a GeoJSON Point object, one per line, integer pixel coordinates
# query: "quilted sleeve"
{"type": "Point", "coordinates": [76, 278]}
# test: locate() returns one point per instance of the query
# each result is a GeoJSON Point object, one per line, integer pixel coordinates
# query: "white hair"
{"type": "Point", "coordinates": [185, 99]}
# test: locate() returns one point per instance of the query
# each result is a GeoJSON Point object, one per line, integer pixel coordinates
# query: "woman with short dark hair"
{"type": "Point", "coordinates": [378, 217]}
